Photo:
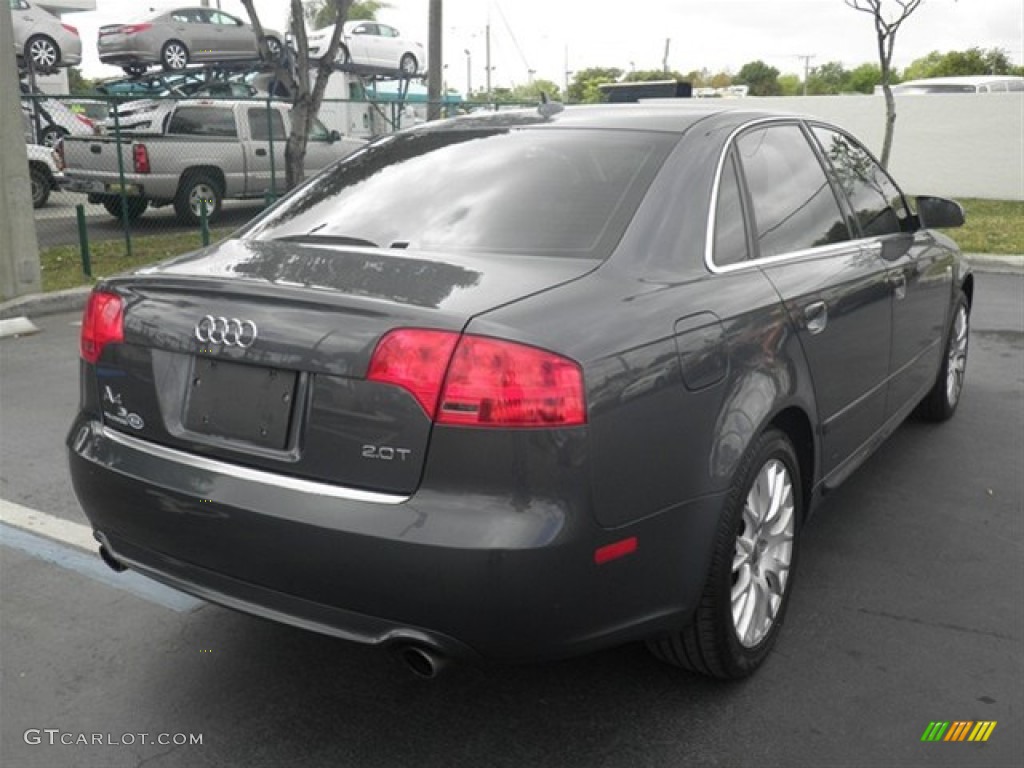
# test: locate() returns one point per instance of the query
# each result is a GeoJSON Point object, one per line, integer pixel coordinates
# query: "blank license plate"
{"type": "Point", "coordinates": [240, 402]}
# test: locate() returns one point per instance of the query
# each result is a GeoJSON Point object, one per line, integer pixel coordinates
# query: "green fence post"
{"type": "Point", "coordinates": [204, 223]}
{"type": "Point", "coordinates": [120, 178]}
{"type": "Point", "coordinates": [83, 240]}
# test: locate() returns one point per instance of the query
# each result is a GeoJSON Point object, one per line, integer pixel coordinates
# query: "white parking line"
{"type": "Point", "coordinates": [46, 537]}
{"type": "Point", "coordinates": [50, 526]}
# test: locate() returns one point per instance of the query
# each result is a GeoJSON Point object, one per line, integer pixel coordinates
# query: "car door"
{"type": "Point", "coordinates": [321, 151]}
{"type": "Point", "coordinates": [265, 124]}
{"type": "Point", "coordinates": [238, 40]}
{"type": "Point", "coordinates": [834, 289]}
{"type": "Point", "coordinates": [920, 270]}
{"type": "Point", "coordinates": [389, 46]}
{"type": "Point", "coordinates": [361, 43]}
{"type": "Point", "coordinates": [189, 25]}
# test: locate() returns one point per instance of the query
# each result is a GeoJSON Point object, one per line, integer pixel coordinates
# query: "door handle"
{"type": "Point", "coordinates": [261, 153]}
{"type": "Point", "coordinates": [898, 282]}
{"type": "Point", "coordinates": [816, 316]}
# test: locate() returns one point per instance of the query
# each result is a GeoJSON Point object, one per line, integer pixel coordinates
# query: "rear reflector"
{"type": "Point", "coordinates": [614, 551]}
{"type": "Point", "coordinates": [102, 324]}
{"type": "Point", "coordinates": [478, 381]}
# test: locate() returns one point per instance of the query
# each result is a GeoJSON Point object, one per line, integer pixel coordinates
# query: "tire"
{"type": "Point", "coordinates": [756, 546]}
{"type": "Point", "coordinates": [51, 135]}
{"type": "Point", "coordinates": [408, 64]}
{"type": "Point", "coordinates": [274, 48]}
{"type": "Point", "coordinates": [43, 52]}
{"type": "Point", "coordinates": [941, 402]}
{"type": "Point", "coordinates": [342, 56]}
{"type": "Point", "coordinates": [136, 206]}
{"type": "Point", "coordinates": [174, 56]}
{"type": "Point", "coordinates": [193, 188]}
{"type": "Point", "coordinates": [41, 182]}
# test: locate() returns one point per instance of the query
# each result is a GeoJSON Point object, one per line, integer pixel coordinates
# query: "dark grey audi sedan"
{"type": "Point", "coordinates": [524, 385]}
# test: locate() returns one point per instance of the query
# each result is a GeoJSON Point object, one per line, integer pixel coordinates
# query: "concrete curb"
{"type": "Point", "coordinates": [73, 299]}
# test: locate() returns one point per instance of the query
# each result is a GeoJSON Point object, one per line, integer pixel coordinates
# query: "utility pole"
{"type": "Point", "coordinates": [566, 73]}
{"type": "Point", "coordinates": [807, 66]}
{"type": "Point", "coordinates": [664, 61]}
{"type": "Point", "coordinates": [19, 249]}
{"type": "Point", "coordinates": [469, 73]}
{"type": "Point", "coordinates": [434, 59]}
{"type": "Point", "coordinates": [487, 56]}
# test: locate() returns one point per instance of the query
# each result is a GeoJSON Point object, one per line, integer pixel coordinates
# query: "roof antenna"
{"type": "Point", "coordinates": [548, 108]}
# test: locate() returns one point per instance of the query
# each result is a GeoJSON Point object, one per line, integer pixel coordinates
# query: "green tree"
{"type": "Point", "coordinates": [79, 85]}
{"type": "Point", "coordinates": [321, 13]}
{"type": "Point", "coordinates": [649, 75]}
{"type": "Point", "coordinates": [790, 85]}
{"type": "Point", "coordinates": [720, 80]}
{"type": "Point", "coordinates": [973, 61]}
{"type": "Point", "coordinates": [864, 78]}
{"type": "Point", "coordinates": [829, 78]}
{"type": "Point", "coordinates": [528, 92]}
{"type": "Point", "coordinates": [584, 85]}
{"type": "Point", "coordinates": [760, 78]}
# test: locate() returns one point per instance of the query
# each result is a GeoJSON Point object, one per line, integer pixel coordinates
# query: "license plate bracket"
{"type": "Point", "coordinates": [249, 403]}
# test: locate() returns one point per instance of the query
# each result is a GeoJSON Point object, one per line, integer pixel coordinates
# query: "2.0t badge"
{"type": "Point", "coordinates": [230, 332]}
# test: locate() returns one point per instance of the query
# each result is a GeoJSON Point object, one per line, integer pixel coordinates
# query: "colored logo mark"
{"type": "Point", "coordinates": [959, 730]}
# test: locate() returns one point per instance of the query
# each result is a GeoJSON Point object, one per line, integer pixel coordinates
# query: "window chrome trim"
{"type": "Point", "coordinates": [709, 236]}
{"type": "Point", "coordinates": [261, 477]}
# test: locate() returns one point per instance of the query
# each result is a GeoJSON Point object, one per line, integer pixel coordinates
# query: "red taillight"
{"type": "Point", "coordinates": [132, 29]}
{"type": "Point", "coordinates": [70, 29]}
{"type": "Point", "coordinates": [616, 550]}
{"type": "Point", "coordinates": [414, 359]}
{"type": "Point", "coordinates": [489, 382]}
{"type": "Point", "coordinates": [140, 158]}
{"type": "Point", "coordinates": [102, 324]}
{"type": "Point", "coordinates": [86, 121]}
{"type": "Point", "coordinates": [501, 383]}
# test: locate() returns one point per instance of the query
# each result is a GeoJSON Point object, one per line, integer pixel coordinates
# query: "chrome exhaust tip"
{"type": "Point", "coordinates": [422, 662]}
{"type": "Point", "coordinates": [115, 564]}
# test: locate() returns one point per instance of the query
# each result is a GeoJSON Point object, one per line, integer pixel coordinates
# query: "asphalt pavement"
{"type": "Point", "coordinates": [908, 609]}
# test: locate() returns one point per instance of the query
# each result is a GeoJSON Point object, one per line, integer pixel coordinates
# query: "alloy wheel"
{"type": "Point", "coordinates": [763, 553]}
{"type": "Point", "coordinates": [43, 53]}
{"type": "Point", "coordinates": [957, 363]}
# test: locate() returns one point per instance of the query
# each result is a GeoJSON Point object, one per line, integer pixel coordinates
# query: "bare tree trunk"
{"type": "Point", "coordinates": [885, 33]}
{"type": "Point", "coordinates": [306, 100]}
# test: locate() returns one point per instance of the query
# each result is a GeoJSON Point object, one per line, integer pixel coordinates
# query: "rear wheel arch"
{"type": "Point", "coordinates": [968, 288]}
{"type": "Point", "coordinates": [796, 425]}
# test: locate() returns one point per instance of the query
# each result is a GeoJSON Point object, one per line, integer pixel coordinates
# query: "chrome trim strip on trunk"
{"type": "Point", "coordinates": [259, 476]}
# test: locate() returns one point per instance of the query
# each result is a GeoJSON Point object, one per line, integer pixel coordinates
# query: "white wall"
{"type": "Point", "coordinates": [954, 145]}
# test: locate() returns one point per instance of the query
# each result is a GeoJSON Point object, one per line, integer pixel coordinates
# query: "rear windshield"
{"type": "Point", "coordinates": [537, 192]}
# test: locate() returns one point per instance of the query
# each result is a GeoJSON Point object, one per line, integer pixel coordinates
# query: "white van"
{"type": "Point", "coordinates": [967, 84]}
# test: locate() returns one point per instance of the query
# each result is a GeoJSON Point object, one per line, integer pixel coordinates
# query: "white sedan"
{"type": "Point", "coordinates": [372, 44]}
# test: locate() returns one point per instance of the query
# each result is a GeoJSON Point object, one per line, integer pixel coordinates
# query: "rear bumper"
{"type": "Point", "coordinates": [471, 575]}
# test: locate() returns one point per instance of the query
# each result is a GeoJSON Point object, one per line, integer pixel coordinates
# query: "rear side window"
{"type": "Point", "coordinates": [877, 204]}
{"type": "Point", "coordinates": [535, 192]}
{"type": "Point", "coordinates": [260, 129]}
{"type": "Point", "coordinates": [730, 230]}
{"type": "Point", "coordinates": [203, 121]}
{"type": "Point", "coordinates": [794, 206]}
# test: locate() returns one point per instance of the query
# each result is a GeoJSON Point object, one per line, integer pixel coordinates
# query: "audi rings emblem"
{"type": "Point", "coordinates": [229, 331]}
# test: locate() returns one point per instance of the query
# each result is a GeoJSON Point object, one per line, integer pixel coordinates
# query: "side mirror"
{"type": "Point", "coordinates": [333, 136]}
{"type": "Point", "coordinates": [939, 213]}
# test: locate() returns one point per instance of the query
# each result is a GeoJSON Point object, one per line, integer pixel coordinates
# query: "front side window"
{"type": "Point", "coordinates": [794, 206]}
{"type": "Point", "coordinates": [203, 121]}
{"type": "Point", "coordinates": [877, 204]}
{"type": "Point", "coordinates": [534, 192]}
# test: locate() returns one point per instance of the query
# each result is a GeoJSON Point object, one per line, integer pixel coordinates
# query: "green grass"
{"type": "Point", "coordinates": [62, 264]}
{"type": "Point", "coordinates": [993, 226]}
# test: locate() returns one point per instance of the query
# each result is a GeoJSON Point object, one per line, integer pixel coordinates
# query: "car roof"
{"type": "Point", "coordinates": [675, 117]}
{"type": "Point", "coordinates": [963, 80]}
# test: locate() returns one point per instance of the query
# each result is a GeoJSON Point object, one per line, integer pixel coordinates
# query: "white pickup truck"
{"type": "Point", "coordinates": [210, 150]}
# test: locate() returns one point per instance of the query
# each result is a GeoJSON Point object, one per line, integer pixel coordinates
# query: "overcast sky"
{"type": "Point", "coordinates": [717, 34]}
